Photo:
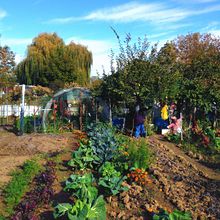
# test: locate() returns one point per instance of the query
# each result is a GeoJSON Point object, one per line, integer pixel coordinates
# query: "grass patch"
{"type": "Point", "coordinates": [19, 183]}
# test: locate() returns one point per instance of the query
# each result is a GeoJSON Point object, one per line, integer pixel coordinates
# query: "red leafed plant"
{"type": "Point", "coordinates": [39, 195]}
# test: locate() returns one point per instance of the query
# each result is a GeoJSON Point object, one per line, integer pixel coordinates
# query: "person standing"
{"type": "Point", "coordinates": [139, 119]}
{"type": "Point", "coordinates": [156, 113]}
{"type": "Point", "coordinates": [172, 111]}
{"type": "Point", "coordinates": [164, 112]}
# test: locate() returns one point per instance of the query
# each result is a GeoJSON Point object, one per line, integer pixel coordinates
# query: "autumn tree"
{"type": "Point", "coordinates": [140, 74]}
{"type": "Point", "coordinates": [185, 70]}
{"type": "Point", "coordinates": [7, 65]}
{"type": "Point", "coordinates": [49, 61]}
{"type": "Point", "coordinates": [198, 56]}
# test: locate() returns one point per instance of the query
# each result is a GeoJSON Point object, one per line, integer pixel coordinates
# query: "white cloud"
{"type": "Point", "coordinates": [17, 45]}
{"type": "Point", "coordinates": [19, 58]}
{"type": "Point", "coordinates": [100, 49]}
{"type": "Point", "coordinates": [206, 10]}
{"type": "Point", "coordinates": [66, 20]}
{"type": "Point", "coordinates": [155, 13]}
{"type": "Point", "coordinates": [2, 13]}
{"type": "Point", "coordinates": [129, 12]}
{"type": "Point", "coordinates": [212, 28]}
{"type": "Point", "coordinates": [158, 35]}
{"type": "Point", "coordinates": [202, 1]}
{"type": "Point", "coordinates": [134, 11]}
{"type": "Point", "coordinates": [195, 1]}
{"type": "Point", "coordinates": [216, 32]}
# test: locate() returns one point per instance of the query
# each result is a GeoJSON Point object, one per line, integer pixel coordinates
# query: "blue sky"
{"type": "Point", "coordinates": [88, 22]}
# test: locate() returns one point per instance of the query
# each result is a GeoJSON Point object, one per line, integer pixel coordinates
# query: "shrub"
{"type": "Point", "coordinates": [175, 138]}
{"type": "Point", "coordinates": [80, 185]}
{"type": "Point", "coordinates": [31, 124]}
{"type": "Point", "coordinates": [88, 204]}
{"type": "Point", "coordinates": [82, 158]}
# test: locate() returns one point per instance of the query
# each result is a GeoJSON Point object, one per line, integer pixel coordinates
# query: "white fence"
{"type": "Point", "coordinates": [9, 110]}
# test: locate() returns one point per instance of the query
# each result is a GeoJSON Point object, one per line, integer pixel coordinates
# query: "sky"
{"type": "Point", "coordinates": [89, 23]}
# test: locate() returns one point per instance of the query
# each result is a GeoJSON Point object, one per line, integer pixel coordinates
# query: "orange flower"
{"type": "Point", "coordinates": [126, 153]}
{"type": "Point", "coordinates": [150, 210]}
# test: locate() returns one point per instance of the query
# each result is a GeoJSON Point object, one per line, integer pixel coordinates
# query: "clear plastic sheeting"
{"type": "Point", "coordinates": [73, 106]}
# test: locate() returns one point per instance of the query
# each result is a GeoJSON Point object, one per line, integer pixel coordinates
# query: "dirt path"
{"type": "Point", "coordinates": [189, 185]}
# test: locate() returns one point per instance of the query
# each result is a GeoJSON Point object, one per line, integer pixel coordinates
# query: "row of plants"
{"type": "Point", "coordinates": [19, 185]}
{"type": "Point", "coordinates": [201, 140]}
{"type": "Point", "coordinates": [101, 166]}
{"type": "Point", "coordinates": [41, 193]}
{"type": "Point", "coordinates": [31, 124]}
{"type": "Point", "coordinates": [95, 175]}
{"type": "Point", "coordinates": [34, 124]}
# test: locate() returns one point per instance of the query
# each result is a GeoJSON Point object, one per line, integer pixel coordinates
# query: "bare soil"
{"type": "Point", "coordinates": [15, 150]}
{"type": "Point", "coordinates": [186, 183]}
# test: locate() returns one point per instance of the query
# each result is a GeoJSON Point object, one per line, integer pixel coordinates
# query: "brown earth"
{"type": "Point", "coordinates": [186, 183]}
{"type": "Point", "coordinates": [15, 150]}
{"type": "Point", "coordinates": [180, 181]}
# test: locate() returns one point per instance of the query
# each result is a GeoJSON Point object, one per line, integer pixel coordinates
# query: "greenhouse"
{"type": "Point", "coordinates": [74, 107]}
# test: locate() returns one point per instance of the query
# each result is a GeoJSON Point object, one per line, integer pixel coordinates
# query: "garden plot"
{"type": "Point", "coordinates": [104, 175]}
{"type": "Point", "coordinates": [15, 150]}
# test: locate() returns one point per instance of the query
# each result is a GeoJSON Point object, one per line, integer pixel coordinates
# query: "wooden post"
{"type": "Point", "coordinates": [22, 111]}
{"type": "Point", "coordinates": [181, 126]}
{"type": "Point", "coordinates": [215, 117]}
{"type": "Point", "coordinates": [110, 112]}
{"type": "Point", "coordinates": [80, 112]}
{"type": "Point", "coordinates": [96, 112]}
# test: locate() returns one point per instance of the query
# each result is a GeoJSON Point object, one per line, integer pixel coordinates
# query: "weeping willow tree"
{"type": "Point", "coordinates": [49, 61]}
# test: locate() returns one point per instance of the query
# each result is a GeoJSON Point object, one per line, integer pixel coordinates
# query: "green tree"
{"type": "Point", "coordinates": [168, 76]}
{"type": "Point", "coordinates": [50, 62]}
{"type": "Point", "coordinates": [185, 70]}
{"type": "Point", "coordinates": [131, 74]}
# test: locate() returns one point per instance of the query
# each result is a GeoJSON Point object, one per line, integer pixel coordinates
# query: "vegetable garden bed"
{"type": "Point", "coordinates": [104, 175]}
{"type": "Point", "coordinates": [109, 180]}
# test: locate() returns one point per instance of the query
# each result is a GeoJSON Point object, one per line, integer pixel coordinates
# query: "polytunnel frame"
{"type": "Point", "coordinates": [48, 108]}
